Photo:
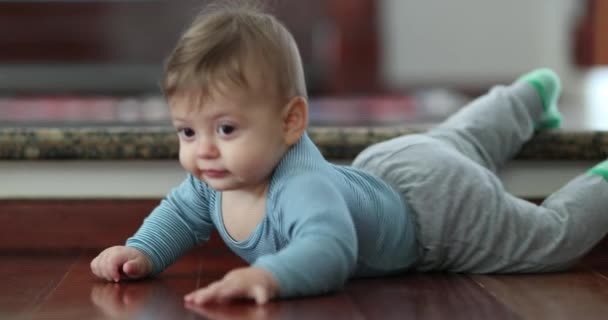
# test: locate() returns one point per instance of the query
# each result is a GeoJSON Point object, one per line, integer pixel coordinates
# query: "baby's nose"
{"type": "Point", "coordinates": [207, 149]}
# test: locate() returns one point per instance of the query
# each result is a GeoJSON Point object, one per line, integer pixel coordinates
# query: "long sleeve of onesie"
{"type": "Point", "coordinates": [321, 253]}
{"type": "Point", "coordinates": [177, 224]}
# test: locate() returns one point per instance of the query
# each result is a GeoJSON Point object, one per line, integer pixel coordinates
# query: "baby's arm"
{"type": "Point", "coordinates": [319, 258]}
{"type": "Point", "coordinates": [322, 250]}
{"type": "Point", "coordinates": [180, 222]}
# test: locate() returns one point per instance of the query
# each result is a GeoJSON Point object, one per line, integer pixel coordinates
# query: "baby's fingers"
{"type": "Point", "coordinates": [109, 268]}
{"type": "Point", "coordinates": [259, 294]}
{"type": "Point", "coordinates": [204, 295]}
{"type": "Point", "coordinates": [95, 266]}
{"type": "Point", "coordinates": [225, 291]}
{"type": "Point", "coordinates": [100, 268]}
{"type": "Point", "coordinates": [133, 269]}
{"type": "Point", "coordinates": [218, 292]}
{"type": "Point", "coordinates": [108, 265]}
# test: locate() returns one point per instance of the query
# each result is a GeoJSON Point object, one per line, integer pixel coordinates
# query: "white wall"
{"type": "Point", "coordinates": [154, 179]}
{"type": "Point", "coordinates": [475, 42]}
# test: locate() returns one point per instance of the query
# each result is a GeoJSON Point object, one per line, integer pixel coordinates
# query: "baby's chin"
{"type": "Point", "coordinates": [219, 185]}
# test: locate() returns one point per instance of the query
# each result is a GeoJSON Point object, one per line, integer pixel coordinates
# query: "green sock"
{"type": "Point", "coordinates": [548, 85]}
{"type": "Point", "coordinates": [601, 170]}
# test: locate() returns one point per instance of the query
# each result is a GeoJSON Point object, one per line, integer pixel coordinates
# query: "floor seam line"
{"type": "Point", "coordinates": [46, 298]}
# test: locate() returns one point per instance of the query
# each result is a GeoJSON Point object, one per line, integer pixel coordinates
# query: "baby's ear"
{"type": "Point", "coordinates": [295, 120]}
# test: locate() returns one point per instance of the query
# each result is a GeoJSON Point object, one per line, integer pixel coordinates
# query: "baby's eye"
{"type": "Point", "coordinates": [186, 132]}
{"type": "Point", "coordinates": [225, 129]}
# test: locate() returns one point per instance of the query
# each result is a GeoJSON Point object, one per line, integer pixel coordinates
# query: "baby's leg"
{"type": "Point", "coordinates": [467, 222]}
{"type": "Point", "coordinates": [554, 235]}
{"type": "Point", "coordinates": [492, 129]}
{"type": "Point", "coordinates": [530, 238]}
{"type": "Point", "coordinates": [540, 238]}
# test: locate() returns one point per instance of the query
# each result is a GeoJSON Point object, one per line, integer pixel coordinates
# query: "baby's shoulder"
{"type": "Point", "coordinates": [303, 188]}
{"type": "Point", "coordinates": [306, 180]}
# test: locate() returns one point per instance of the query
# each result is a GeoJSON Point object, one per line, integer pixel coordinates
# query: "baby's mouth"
{"type": "Point", "coordinates": [214, 174]}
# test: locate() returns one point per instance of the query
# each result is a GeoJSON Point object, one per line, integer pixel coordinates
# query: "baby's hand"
{"type": "Point", "coordinates": [243, 283]}
{"type": "Point", "coordinates": [119, 262]}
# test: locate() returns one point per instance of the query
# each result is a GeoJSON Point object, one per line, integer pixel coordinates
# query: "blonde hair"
{"type": "Point", "coordinates": [222, 46]}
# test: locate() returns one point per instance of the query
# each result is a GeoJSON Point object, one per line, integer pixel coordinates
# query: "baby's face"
{"type": "Point", "coordinates": [231, 141]}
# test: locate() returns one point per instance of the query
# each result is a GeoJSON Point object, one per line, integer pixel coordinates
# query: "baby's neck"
{"type": "Point", "coordinates": [251, 194]}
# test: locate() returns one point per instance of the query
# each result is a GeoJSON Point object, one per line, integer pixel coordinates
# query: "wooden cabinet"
{"type": "Point", "coordinates": [591, 36]}
{"type": "Point", "coordinates": [600, 36]}
{"type": "Point", "coordinates": [89, 32]}
{"type": "Point", "coordinates": [337, 38]}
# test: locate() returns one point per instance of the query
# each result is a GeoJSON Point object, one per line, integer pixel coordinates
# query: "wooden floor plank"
{"type": "Point", "coordinates": [28, 277]}
{"type": "Point", "coordinates": [81, 296]}
{"type": "Point", "coordinates": [426, 296]}
{"type": "Point", "coordinates": [579, 293]}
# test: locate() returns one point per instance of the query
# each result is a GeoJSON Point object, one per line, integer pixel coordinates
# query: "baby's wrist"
{"type": "Point", "coordinates": [145, 258]}
{"type": "Point", "coordinates": [270, 282]}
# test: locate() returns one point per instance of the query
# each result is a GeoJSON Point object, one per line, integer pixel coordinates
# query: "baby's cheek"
{"type": "Point", "coordinates": [262, 167]}
{"type": "Point", "coordinates": [187, 163]}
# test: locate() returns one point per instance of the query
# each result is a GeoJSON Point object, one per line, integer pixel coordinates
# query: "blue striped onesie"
{"type": "Point", "coordinates": [323, 224]}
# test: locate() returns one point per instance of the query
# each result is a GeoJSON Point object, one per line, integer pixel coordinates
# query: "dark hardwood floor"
{"type": "Point", "coordinates": [53, 280]}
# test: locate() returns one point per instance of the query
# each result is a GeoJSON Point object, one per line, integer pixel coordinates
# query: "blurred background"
{"type": "Point", "coordinates": [366, 61]}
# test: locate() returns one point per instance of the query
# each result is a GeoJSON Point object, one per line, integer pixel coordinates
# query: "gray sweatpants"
{"type": "Point", "coordinates": [466, 221]}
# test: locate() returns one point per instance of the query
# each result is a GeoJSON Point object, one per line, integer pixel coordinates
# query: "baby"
{"type": "Point", "coordinates": [237, 97]}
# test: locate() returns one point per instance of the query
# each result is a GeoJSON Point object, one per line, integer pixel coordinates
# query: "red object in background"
{"type": "Point", "coordinates": [356, 46]}
{"type": "Point", "coordinates": [583, 36]}
{"type": "Point", "coordinates": [143, 32]}
{"type": "Point", "coordinates": [591, 34]}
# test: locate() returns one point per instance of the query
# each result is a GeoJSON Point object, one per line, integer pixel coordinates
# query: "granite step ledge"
{"type": "Point", "coordinates": [336, 143]}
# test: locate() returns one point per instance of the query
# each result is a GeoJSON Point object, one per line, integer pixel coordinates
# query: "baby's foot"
{"type": "Point", "coordinates": [600, 169]}
{"type": "Point", "coordinates": [548, 85]}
